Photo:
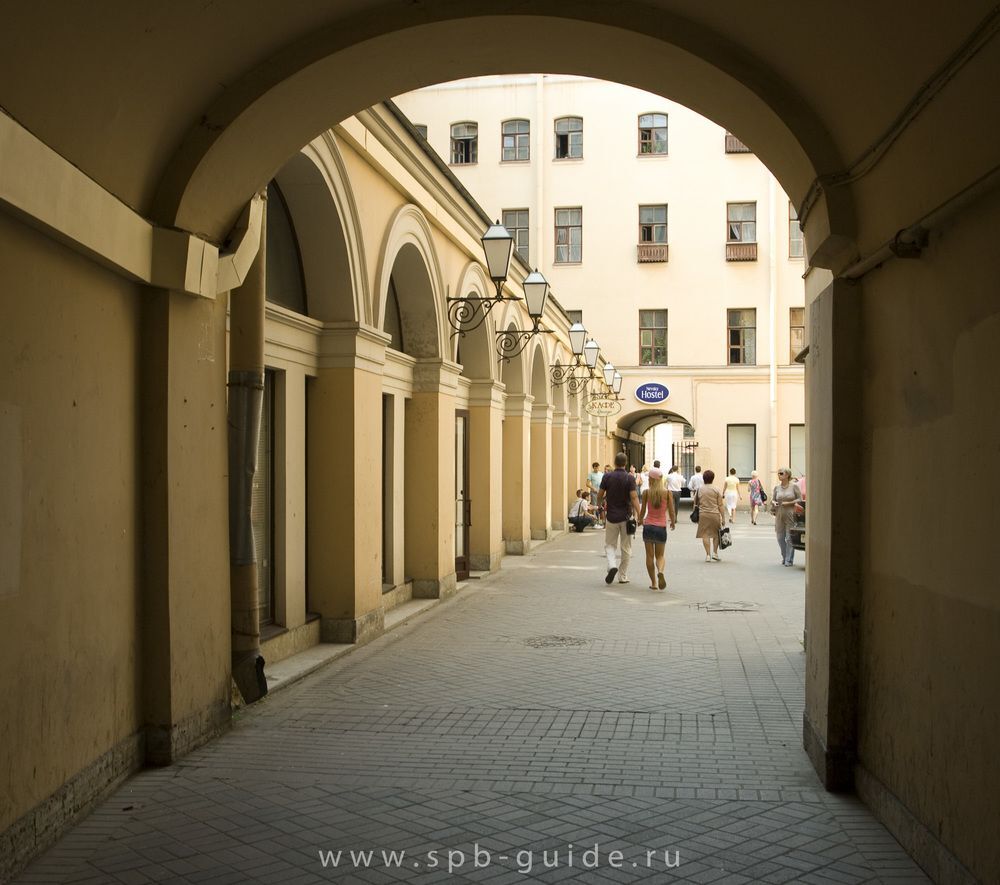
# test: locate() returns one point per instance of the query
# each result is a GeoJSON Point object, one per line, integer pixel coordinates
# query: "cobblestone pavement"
{"type": "Point", "coordinates": [538, 714]}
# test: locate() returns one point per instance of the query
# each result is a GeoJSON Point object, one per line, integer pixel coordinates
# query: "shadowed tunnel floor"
{"type": "Point", "coordinates": [539, 709]}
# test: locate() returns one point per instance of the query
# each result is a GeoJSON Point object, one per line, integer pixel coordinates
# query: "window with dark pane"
{"type": "Point", "coordinates": [742, 334]}
{"type": "Point", "coordinates": [742, 222]}
{"type": "Point", "coordinates": [516, 140]}
{"type": "Point", "coordinates": [285, 283]}
{"type": "Point", "coordinates": [575, 316]}
{"type": "Point", "coordinates": [652, 337]}
{"type": "Point", "coordinates": [516, 222]}
{"type": "Point", "coordinates": [652, 224]}
{"type": "Point", "coordinates": [421, 128]}
{"type": "Point", "coordinates": [653, 134]}
{"type": "Point", "coordinates": [569, 138]}
{"type": "Point", "coordinates": [464, 143]}
{"type": "Point", "coordinates": [569, 236]}
{"type": "Point", "coordinates": [796, 331]}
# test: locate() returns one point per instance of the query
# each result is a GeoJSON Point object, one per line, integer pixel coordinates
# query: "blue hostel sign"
{"type": "Point", "coordinates": [652, 394]}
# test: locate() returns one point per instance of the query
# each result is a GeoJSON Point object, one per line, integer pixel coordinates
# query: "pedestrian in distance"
{"type": "Point", "coordinates": [783, 500]}
{"type": "Point", "coordinates": [711, 516]}
{"type": "Point", "coordinates": [619, 496]}
{"type": "Point", "coordinates": [756, 492]}
{"type": "Point", "coordinates": [732, 493]}
{"type": "Point", "coordinates": [674, 482]}
{"type": "Point", "coordinates": [594, 482]}
{"type": "Point", "coordinates": [657, 509]}
{"type": "Point", "coordinates": [696, 481]}
{"type": "Point", "coordinates": [579, 514]}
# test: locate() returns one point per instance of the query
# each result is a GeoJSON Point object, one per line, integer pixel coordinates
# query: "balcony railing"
{"type": "Point", "coordinates": [741, 251]}
{"type": "Point", "coordinates": [735, 146]}
{"type": "Point", "coordinates": [648, 253]}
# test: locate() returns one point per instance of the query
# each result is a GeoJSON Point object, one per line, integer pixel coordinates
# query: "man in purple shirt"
{"type": "Point", "coordinates": [619, 494]}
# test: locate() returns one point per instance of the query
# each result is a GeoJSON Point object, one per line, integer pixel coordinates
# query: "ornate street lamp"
{"type": "Point", "coordinates": [590, 353]}
{"type": "Point", "coordinates": [562, 374]}
{"type": "Point", "coordinates": [512, 341]}
{"type": "Point", "coordinates": [609, 374]}
{"type": "Point", "coordinates": [469, 312]}
{"type": "Point", "coordinates": [616, 383]}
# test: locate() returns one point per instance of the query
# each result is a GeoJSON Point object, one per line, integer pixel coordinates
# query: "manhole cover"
{"type": "Point", "coordinates": [555, 641]}
{"type": "Point", "coordinates": [729, 606]}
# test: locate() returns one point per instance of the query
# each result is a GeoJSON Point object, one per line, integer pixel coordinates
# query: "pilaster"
{"type": "Point", "coordinates": [429, 480]}
{"type": "Point", "coordinates": [560, 498]}
{"type": "Point", "coordinates": [541, 472]}
{"type": "Point", "coordinates": [344, 509]}
{"type": "Point", "coordinates": [516, 472]}
{"type": "Point", "coordinates": [486, 417]}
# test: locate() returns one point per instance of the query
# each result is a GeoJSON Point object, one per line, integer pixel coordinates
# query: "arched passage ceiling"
{"type": "Point", "coordinates": [640, 421]}
{"type": "Point", "coordinates": [183, 109]}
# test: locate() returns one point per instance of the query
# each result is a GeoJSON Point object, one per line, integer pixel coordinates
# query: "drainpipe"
{"type": "Point", "coordinates": [539, 167]}
{"type": "Point", "coordinates": [772, 310]}
{"type": "Point", "coordinates": [246, 397]}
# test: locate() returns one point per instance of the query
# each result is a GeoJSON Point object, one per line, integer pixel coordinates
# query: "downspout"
{"type": "Point", "coordinates": [772, 309]}
{"type": "Point", "coordinates": [539, 168]}
{"type": "Point", "coordinates": [246, 397]}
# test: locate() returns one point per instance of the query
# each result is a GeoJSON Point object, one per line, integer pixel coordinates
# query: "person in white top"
{"type": "Point", "coordinates": [696, 481]}
{"type": "Point", "coordinates": [674, 481]}
{"type": "Point", "coordinates": [579, 513]}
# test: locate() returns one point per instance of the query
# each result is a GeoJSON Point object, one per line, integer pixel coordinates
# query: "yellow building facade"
{"type": "Point", "coordinates": [132, 144]}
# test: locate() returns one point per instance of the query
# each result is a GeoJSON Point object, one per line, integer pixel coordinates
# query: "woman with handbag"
{"type": "Point", "coordinates": [657, 508]}
{"type": "Point", "coordinates": [786, 495]}
{"type": "Point", "coordinates": [757, 496]}
{"type": "Point", "coordinates": [711, 515]}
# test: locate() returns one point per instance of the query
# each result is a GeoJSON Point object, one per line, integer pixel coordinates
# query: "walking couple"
{"type": "Point", "coordinates": [618, 491]}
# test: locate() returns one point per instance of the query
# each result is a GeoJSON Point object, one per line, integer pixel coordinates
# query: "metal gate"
{"type": "Point", "coordinates": [684, 454]}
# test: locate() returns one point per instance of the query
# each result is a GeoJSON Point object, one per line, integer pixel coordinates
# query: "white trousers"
{"type": "Point", "coordinates": [615, 535]}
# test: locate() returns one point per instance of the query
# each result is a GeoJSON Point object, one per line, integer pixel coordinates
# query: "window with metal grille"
{"type": "Point", "coordinates": [742, 222]}
{"type": "Point", "coordinates": [516, 222]}
{"type": "Point", "coordinates": [742, 337]}
{"type": "Point", "coordinates": [515, 135]}
{"type": "Point", "coordinates": [652, 134]}
{"type": "Point", "coordinates": [652, 337]}
{"type": "Point", "coordinates": [796, 331]}
{"type": "Point", "coordinates": [794, 233]}
{"type": "Point", "coordinates": [464, 143]}
{"type": "Point", "coordinates": [569, 138]}
{"type": "Point", "coordinates": [569, 236]}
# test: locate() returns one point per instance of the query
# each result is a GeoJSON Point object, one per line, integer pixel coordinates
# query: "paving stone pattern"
{"type": "Point", "coordinates": [539, 709]}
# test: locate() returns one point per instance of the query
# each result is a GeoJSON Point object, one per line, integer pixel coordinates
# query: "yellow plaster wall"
{"type": "Point", "coordinates": [930, 627]}
{"type": "Point", "coordinates": [69, 600]}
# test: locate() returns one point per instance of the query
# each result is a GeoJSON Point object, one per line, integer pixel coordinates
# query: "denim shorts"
{"type": "Point", "coordinates": [656, 534]}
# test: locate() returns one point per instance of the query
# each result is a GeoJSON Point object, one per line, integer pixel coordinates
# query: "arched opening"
{"type": "Point", "coordinates": [282, 88]}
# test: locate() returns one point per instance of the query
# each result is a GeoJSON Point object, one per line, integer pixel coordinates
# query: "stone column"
{"type": "Point", "coordinates": [185, 513]}
{"type": "Point", "coordinates": [430, 479]}
{"type": "Point", "coordinates": [833, 588]}
{"type": "Point", "coordinates": [516, 473]}
{"type": "Point", "coordinates": [541, 472]}
{"type": "Point", "coordinates": [560, 499]}
{"type": "Point", "coordinates": [486, 420]}
{"type": "Point", "coordinates": [574, 458]}
{"type": "Point", "coordinates": [344, 520]}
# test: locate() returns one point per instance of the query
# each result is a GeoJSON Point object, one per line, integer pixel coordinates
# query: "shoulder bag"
{"type": "Point", "coordinates": [725, 538]}
{"type": "Point", "coordinates": [696, 510]}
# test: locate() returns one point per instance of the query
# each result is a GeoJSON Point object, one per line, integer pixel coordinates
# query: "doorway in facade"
{"type": "Point", "coordinates": [462, 502]}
